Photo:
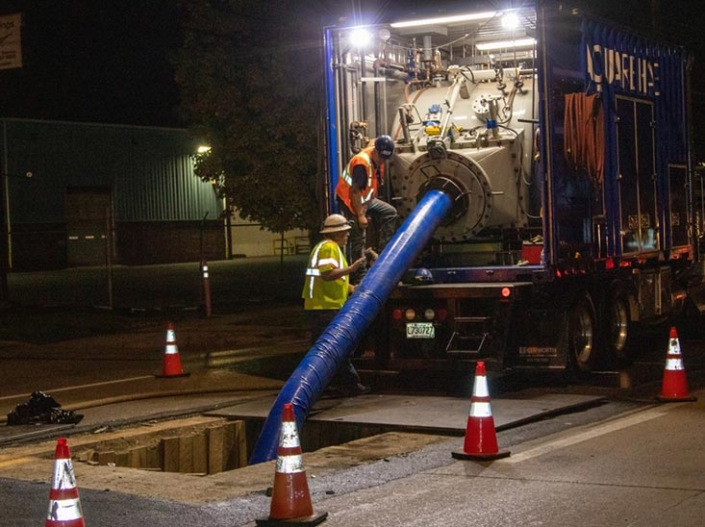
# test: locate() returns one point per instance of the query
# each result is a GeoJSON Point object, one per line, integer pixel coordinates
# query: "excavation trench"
{"type": "Point", "coordinates": [201, 445]}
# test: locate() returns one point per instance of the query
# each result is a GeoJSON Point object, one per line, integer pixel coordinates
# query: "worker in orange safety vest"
{"type": "Point", "coordinates": [356, 193]}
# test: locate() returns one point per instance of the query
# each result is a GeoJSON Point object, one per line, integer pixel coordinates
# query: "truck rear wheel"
{"type": "Point", "coordinates": [616, 323]}
{"type": "Point", "coordinates": [578, 336]}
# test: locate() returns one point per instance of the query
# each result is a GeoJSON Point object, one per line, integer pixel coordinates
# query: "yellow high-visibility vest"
{"type": "Point", "coordinates": [319, 293]}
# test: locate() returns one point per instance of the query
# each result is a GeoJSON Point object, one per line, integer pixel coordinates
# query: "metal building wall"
{"type": "Point", "coordinates": [149, 169]}
{"type": "Point", "coordinates": [148, 172]}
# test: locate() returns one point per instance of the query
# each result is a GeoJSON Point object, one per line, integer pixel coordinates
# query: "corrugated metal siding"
{"type": "Point", "coordinates": [149, 170]}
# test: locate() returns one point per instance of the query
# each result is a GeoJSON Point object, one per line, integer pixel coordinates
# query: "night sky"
{"type": "Point", "coordinates": [109, 60]}
{"type": "Point", "coordinates": [94, 60]}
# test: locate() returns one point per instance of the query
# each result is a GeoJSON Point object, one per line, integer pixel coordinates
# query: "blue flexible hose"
{"type": "Point", "coordinates": [341, 337]}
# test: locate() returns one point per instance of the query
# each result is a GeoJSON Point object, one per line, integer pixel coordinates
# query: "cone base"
{"type": "Point", "coordinates": [481, 457]}
{"type": "Point", "coordinates": [314, 519]}
{"type": "Point", "coordinates": [684, 399]}
{"type": "Point", "coordinates": [170, 375]}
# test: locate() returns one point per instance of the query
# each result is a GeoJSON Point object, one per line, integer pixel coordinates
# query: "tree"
{"type": "Point", "coordinates": [251, 83]}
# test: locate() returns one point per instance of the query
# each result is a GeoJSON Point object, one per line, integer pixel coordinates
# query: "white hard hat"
{"type": "Point", "coordinates": [335, 223]}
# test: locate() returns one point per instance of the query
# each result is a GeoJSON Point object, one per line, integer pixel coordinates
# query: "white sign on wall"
{"type": "Point", "coordinates": [10, 41]}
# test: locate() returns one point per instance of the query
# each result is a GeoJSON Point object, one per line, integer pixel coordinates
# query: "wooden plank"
{"type": "Point", "coordinates": [240, 445]}
{"type": "Point", "coordinates": [200, 454]}
{"type": "Point", "coordinates": [235, 445]}
{"type": "Point", "coordinates": [155, 456]}
{"type": "Point", "coordinates": [170, 457]}
{"type": "Point", "coordinates": [229, 429]}
{"type": "Point", "coordinates": [185, 454]}
{"type": "Point", "coordinates": [104, 458]}
{"type": "Point", "coordinates": [216, 449]}
{"type": "Point", "coordinates": [137, 457]}
{"type": "Point", "coordinates": [121, 459]}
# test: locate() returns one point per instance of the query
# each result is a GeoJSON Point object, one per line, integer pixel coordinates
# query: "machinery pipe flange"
{"type": "Point", "coordinates": [460, 198]}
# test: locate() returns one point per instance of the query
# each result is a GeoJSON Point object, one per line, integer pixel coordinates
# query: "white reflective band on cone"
{"type": "Point", "coordinates": [480, 410]}
{"type": "Point", "coordinates": [64, 479]}
{"type": "Point", "coordinates": [674, 364]}
{"type": "Point", "coordinates": [170, 337]}
{"type": "Point", "coordinates": [289, 437]}
{"type": "Point", "coordinates": [290, 464]}
{"type": "Point", "coordinates": [480, 388]}
{"type": "Point", "coordinates": [171, 349]}
{"type": "Point", "coordinates": [64, 510]}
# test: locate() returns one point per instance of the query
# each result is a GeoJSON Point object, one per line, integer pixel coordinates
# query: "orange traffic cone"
{"type": "Point", "coordinates": [480, 436]}
{"type": "Point", "coordinates": [172, 360]}
{"type": "Point", "coordinates": [64, 504]}
{"type": "Point", "coordinates": [674, 387]}
{"type": "Point", "coordinates": [291, 501]}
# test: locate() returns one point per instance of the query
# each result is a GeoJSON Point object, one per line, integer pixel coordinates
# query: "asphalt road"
{"type": "Point", "coordinates": [628, 462]}
{"type": "Point", "coordinates": [618, 464]}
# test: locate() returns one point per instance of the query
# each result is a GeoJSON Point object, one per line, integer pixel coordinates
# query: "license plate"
{"type": "Point", "coordinates": [420, 330]}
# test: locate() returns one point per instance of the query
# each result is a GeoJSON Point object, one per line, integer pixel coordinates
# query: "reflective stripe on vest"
{"type": "Point", "coordinates": [345, 176]}
{"type": "Point", "coordinates": [313, 270]}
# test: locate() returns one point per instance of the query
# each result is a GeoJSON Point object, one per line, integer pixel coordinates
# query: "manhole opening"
{"type": "Point", "coordinates": [205, 447]}
{"type": "Point", "coordinates": [199, 449]}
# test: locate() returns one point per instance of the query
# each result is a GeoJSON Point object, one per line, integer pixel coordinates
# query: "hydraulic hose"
{"type": "Point", "coordinates": [341, 337]}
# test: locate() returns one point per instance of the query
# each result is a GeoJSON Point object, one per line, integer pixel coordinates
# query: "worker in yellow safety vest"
{"type": "Point", "coordinates": [356, 192]}
{"type": "Point", "coordinates": [326, 288]}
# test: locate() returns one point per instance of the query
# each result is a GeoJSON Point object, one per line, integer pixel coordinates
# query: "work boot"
{"type": "Point", "coordinates": [358, 389]}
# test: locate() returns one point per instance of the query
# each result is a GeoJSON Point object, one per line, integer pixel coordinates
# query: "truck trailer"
{"type": "Point", "coordinates": [563, 143]}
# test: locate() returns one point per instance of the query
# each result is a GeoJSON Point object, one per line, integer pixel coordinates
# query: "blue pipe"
{"type": "Point", "coordinates": [341, 337]}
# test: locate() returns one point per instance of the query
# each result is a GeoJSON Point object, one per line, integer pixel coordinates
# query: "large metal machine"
{"type": "Point", "coordinates": [542, 172]}
{"type": "Point", "coordinates": [563, 141]}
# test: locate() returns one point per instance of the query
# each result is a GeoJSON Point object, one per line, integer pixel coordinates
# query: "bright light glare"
{"type": "Point", "coordinates": [503, 44]}
{"type": "Point", "coordinates": [360, 37]}
{"type": "Point", "coordinates": [510, 21]}
{"type": "Point", "coordinates": [203, 149]}
{"type": "Point", "coordinates": [445, 20]}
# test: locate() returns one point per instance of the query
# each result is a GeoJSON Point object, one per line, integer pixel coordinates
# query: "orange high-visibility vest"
{"type": "Point", "coordinates": [343, 189]}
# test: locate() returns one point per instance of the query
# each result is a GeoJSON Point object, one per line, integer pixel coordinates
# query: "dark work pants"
{"type": "Point", "coordinates": [384, 217]}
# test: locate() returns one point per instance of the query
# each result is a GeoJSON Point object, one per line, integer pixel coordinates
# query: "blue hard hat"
{"type": "Point", "coordinates": [423, 276]}
{"type": "Point", "coordinates": [384, 146]}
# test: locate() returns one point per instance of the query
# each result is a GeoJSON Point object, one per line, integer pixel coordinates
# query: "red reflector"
{"type": "Point", "coordinates": [506, 292]}
{"type": "Point", "coordinates": [396, 314]}
{"type": "Point", "coordinates": [442, 313]}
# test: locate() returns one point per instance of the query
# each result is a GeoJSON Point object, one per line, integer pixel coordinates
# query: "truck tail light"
{"type": "Point", "coordinates": [396, 314]}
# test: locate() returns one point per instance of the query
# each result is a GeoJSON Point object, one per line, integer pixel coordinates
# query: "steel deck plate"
{"type": "Point", "coordinates": [421, 413]}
